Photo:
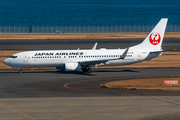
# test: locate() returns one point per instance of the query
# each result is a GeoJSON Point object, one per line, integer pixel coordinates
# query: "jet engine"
{"type": "Point", "coordinates": [72, 66]}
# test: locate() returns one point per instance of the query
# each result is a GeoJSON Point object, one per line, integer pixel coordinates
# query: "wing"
{"type": "Point", "coordinates": [94, 62]}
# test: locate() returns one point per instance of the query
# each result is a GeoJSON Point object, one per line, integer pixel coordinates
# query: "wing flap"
{"type": "Point", "coordinates": [94, 62]}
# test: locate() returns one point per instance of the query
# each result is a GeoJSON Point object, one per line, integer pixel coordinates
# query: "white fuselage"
{"type": "Point", "coordinates": [57, 58]}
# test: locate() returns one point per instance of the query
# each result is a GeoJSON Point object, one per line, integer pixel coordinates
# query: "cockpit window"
{"type": "Point", "coordinates": [13, 56]}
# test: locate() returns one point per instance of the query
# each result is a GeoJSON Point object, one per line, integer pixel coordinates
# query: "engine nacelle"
{"type": "Point", "coordinates": [72, 66]}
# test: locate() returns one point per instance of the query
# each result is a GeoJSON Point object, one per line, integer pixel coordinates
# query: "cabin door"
{"type": "Point", "coordinates": [25, 58]}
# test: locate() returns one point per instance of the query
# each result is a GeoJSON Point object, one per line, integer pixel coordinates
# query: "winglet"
{"type": "Point", "coordinates": [94, 47]}
{"type": "Point", "coordinates": [124, 54]}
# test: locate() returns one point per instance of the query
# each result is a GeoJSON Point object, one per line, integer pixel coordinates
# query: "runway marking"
{"type": "Point", "coordinates": [66, 85]}
{"type": "Point", "coordinates": [17, 111]}
{"type": "Point", "coordinates": [109, 110]}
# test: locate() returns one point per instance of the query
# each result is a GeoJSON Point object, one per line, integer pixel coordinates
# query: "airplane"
{"type": "Point", "coordinates": [77, 60]}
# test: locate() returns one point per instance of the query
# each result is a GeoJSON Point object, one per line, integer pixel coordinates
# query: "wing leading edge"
{"type": "Point", "coordinates": [94, 62]}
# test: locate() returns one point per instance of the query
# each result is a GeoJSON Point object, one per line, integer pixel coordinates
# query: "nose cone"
{"type": "Point", "coordinates": [6, 61]}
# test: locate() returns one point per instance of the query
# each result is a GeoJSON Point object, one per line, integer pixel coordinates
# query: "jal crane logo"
{"type": "Point", "coordinates": [154, 38]}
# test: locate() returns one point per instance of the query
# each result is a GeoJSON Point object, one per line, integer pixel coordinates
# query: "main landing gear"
{"type": "Point", "coordinates": [86, 70]}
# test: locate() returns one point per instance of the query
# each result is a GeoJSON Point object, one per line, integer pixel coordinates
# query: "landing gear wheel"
{"type": "Point", "coordinates": [20, 71]}
{"type": "Point", "coordinates": [89, 70]}
{"type": "Point", "coordinates": [86, 70]}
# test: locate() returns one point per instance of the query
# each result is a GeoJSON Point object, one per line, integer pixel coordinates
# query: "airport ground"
{"type": "Point", "coordinates": [54, 95]}
{"type": "Point", "coordinates": [35, 36]}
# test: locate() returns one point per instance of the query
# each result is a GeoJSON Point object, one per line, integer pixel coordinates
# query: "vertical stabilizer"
{"type": "Point", "coordinates": [155, 38]}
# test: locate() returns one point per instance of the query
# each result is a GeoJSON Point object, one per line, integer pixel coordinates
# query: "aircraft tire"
{"type": "Point", "coordinates": [89, 70]}
{"type": "Point", "coordinates": [84, 70]}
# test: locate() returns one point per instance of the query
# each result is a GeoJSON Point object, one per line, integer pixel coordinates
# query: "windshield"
{"type": "Point", "coordinates": [13, 56]}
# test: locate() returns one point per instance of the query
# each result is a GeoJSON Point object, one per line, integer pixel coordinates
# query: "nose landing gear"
{"type": "Point", "coordinates": [20, 71]}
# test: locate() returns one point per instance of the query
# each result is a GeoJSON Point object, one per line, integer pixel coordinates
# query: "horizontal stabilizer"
{"type": "Point", "coordinates": [156, 51]}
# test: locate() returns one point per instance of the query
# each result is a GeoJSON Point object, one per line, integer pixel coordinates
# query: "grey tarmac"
{"type": "Point", "coordinates": [55, 95]}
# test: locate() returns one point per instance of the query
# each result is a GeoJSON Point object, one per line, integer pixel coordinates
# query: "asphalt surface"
{"type": "Point", "coordinates": [55, 44]}
{"type": "Point", "coordinates": [55, 95]}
